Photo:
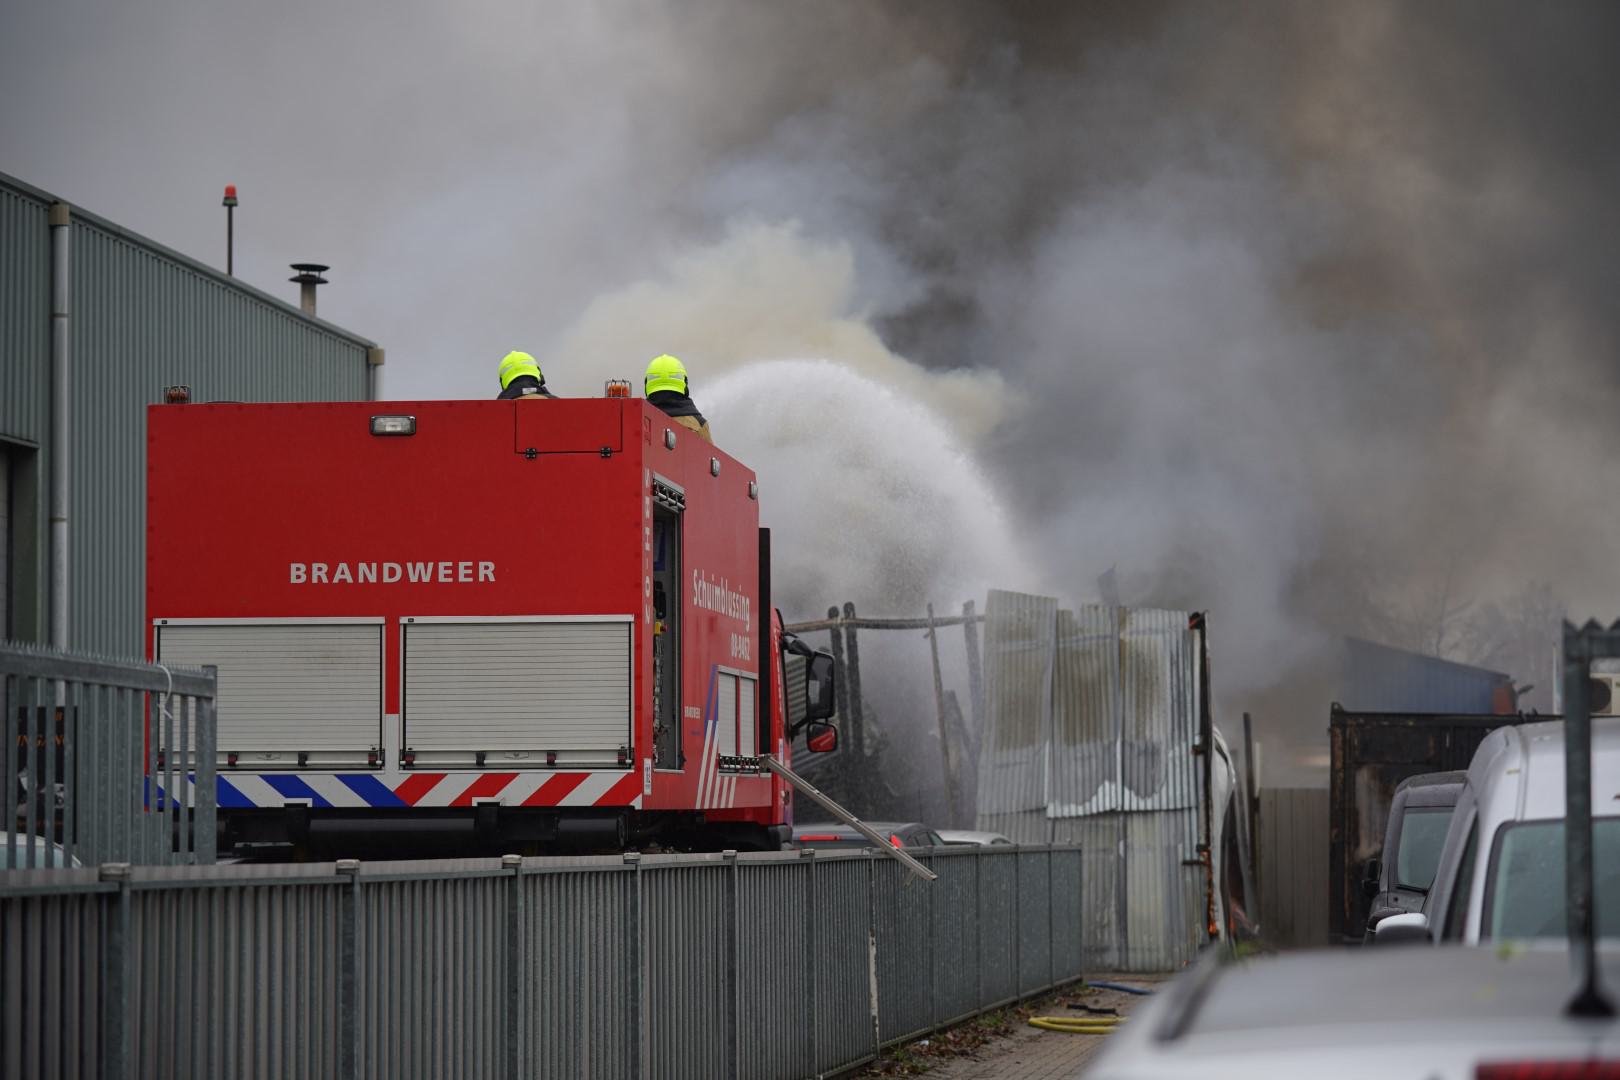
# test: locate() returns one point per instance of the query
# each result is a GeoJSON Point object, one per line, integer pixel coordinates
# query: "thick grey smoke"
{"type": "Point", "coordinates": [1300, 313]}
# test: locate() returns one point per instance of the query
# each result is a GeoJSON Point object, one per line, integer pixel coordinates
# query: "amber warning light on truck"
{"type": "Point", "coordinates": [465, 571]}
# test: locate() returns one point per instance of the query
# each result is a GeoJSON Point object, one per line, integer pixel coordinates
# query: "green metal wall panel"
{"type": "Point", "coordinates": [25, 315]}
{"type": "Point", "coordinates": [25, 398]}
{"type": "Point", "coordinates": [142, 317]}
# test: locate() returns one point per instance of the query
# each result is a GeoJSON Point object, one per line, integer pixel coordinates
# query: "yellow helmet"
{"type": "Point", "coordinates": [665, 373]}
{"type": "Point", "coordinates": [518, 363]}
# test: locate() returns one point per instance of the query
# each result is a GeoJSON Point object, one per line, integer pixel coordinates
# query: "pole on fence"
{"type": "Point", "coordinates": [115, 979]}
{"type": "Point", "coordinates": [205, 817]}
{"type": "Point", "coordinates": [975, 666]}
{"type": "Point", "coordinates": [348, 975]}
{"type": "Point", "coordinates": [856, 719]}
{"type": "Point", "coordinates": [641, 1020]}
{"type": "Point", "coordinates": [952, 798]}
{"type": "Point", "coordinates": [516, 960]}
{"type": "Point", "coordinates": [733, 967]}
{"type": "Point", "coordinates": [841, 685]}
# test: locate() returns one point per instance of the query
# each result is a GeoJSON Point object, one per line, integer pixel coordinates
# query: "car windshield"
{"type": "Point", "coordinates": [1423, 833]}
{"type": "Point", "coordinates": [1525, 892]}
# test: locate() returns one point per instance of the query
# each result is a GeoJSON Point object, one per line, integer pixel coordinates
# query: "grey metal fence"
{"type": "Point", "coordinates": [108, 760]}
{"type": "Point", "coordinates": [783, 964]}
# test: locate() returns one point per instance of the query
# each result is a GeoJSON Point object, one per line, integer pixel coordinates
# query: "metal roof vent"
{"type": "Point", "coordinates": [308, 277]}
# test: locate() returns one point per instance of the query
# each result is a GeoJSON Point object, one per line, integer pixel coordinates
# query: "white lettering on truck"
{"type": "Point", "coordinates": [390, 573]}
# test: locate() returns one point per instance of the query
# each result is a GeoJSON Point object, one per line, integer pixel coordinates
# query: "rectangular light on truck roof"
{"type": "Point", "coordinates": [393, 425]}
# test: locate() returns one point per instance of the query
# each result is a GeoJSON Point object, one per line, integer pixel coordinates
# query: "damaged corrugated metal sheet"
{"type": "Point", "coordinates": [1091, 719]}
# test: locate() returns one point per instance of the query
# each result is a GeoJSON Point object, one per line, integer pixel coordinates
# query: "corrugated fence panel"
{"type": "Point", "coordinates": [144, 318]}
{"type": "Point", "coordinates": [691, 927]}
{"type": "Point", "coordinates": [1293, 857]}
{"type": "Point", "coordinates": [1105, 917]}
{"type": "Point", "coordinates": [841, 1012]}
{"type": "Point", "coordinates": [444, 974]}
{"type": "Point", "coordinates": [1164, 898]}
{"type": "Point", "coordinates": [582, 1003]}
{"type": "Point", "coordinates": [1019, 633]}
{"type": "Point", "coordinates": [1159, 717]}
{"type": "Point", "coordinates": [50, 994]}
{"type": "Point", "coordinates": [772, 999]}
{"type": "Point", "coordinates": [998, 927]}
{"type": "Point", "coordinates": [1068, 924]}
{"type": "Point", "coordinates": [902, 920]}
{"type": "Point", "coordinates": [1034, 922]}
{"type": "Point", "coordinates": [1085, 750]}
{"type": "Point", "coordinates": [954, 935]}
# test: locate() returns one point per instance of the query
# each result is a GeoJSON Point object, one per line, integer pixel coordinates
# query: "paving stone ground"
{"type": "Point", "coordinates": [1031, 1053]}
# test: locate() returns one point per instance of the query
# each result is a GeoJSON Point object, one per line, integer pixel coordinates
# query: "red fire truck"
{"type": "Point", "coordinates": [501, 625]}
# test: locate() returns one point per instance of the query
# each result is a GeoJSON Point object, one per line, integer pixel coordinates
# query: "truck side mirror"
{"type": "Point", "coordinates": [1369, 879]}
{"type": "Point", "coordinates": [822, 737]}
{"type": "Point", "coordinates": [819, 687]}
{"type": "Point", "coordinates": [1406, 929]}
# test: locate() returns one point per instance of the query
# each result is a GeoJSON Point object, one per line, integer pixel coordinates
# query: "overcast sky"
{"type": "Point", "coordinates": [1301, 312]}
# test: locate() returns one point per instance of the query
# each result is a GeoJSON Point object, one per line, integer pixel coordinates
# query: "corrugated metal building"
{"type": "Point", "coordinates": [136, 317]}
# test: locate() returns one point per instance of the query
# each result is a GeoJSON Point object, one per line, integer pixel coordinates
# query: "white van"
{"type": "Point", "coordinates": [1501, 873]}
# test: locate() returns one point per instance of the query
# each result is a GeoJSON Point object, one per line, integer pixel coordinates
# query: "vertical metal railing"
{"type": "Point", "coordinates": [109, 761]}
{"type": "Point", "coordinates": [749, 966]}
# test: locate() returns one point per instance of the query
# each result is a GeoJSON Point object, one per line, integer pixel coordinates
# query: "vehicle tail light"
{"type": "Point", "coordinates": [1548, 1070]}
{"type": "Point", "coordinates": [894, 838]}
{"type": "Point", "coordinates": [823, 837]}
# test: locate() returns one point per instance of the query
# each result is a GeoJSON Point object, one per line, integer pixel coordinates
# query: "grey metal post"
{"type": "Point", "coordinates": [975, 666]}
{"type": "Point", "coordinates": [840, 684]}
{"type": "Point", "coordinates": [733, 967]}
{"type": "Point", "coordinates": [61, 290]}
{"type": "Point", "coordinates": [205, 811]}
{"type": "Point", "coordinates": [856, 721]}
{"type": "Point", "coordinates": [641, 1019]}
{"type": "Point", "coordinates": [1580, 646]}
{"type": "Point", "coordinates": [348, 974]}
{"type": "Point", "coordinates": [516, 964]}
{"type": "Point", "coordinates": [115, 981]}
{"type": "Point", "coordinates": [952, 796]}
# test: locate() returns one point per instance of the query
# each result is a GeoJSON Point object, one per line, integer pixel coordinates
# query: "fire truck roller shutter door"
{"type": "Point", "coordinates": [516, 688]}
{"type": "Point", "coordinates": [289, 688]}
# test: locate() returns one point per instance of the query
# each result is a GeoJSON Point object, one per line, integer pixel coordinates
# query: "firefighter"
{"type": "Point", "coordinates": [667, 387]}
{"type": "Point", "coordinates": [521, 378]}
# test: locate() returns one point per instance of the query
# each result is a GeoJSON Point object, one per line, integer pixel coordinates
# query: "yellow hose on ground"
{"type": "Point", "coordinates": [1077, 1025]}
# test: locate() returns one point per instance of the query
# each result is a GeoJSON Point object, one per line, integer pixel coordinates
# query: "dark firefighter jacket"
{"type": "Point", "coordinates": [679, 407]}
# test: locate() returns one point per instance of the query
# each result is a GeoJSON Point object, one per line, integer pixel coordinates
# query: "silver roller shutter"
{"type": "Point", "coordinates": [747, 728]}
{"type": "Point", "coordinates": [727, 720]}
{"type": "Point", "coordinates": [517, 687]}
{"type": "Point", "coordinates": [289, 688]}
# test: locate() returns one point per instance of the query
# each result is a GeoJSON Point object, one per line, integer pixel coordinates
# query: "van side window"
{"type": "Point", "coordinates": [1462, 885]}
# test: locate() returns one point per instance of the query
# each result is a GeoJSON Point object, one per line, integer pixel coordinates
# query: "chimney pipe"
{"type": "Point", "coordinates": [308, 277]}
